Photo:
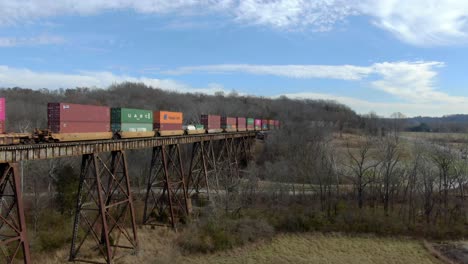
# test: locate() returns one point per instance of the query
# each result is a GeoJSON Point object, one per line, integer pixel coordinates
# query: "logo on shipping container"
{"type": "Point", "coordinates": [165, 116]}
{"type": "Point", "coordinates": [66, 106]}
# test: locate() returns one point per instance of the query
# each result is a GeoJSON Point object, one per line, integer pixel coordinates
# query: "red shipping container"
{"type": "Point", "coordinates": [165, 127]}
{"type": "Point", "coordinates": [2, 126]}
{"type": "Point", "coordinates": [264, 124]}
{"type": "Point", "coordinates": [228, 122]}
{"type": "Point", "coordinates": [79, 127]}
{"type": "Point", "coordinates": [241, 123]}
{"type": "Point", "coordinates": [2, 110]}
{"type": "Point", "coordinates": [211, 121]}
{"type": "Point", "coordinates": [271, 124]}
{"type": "Point", "coordinates": [58, 112]}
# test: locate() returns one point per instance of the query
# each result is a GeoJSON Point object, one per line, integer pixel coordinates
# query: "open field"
{"type": "Point", "coordinates": [159, 246]}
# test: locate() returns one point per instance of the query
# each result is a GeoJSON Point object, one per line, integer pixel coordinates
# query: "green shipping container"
{"type": "Point", "coordinates": [129, 115]}
{"type": "Point", "coordinates": [250, 121]}
{"type": "Point", "coordinates": [131, 127]}
{"type": "Point", "coordinates": [198, 126]}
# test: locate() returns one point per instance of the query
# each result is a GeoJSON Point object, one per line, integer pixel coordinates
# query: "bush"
{"type": "Point", "coordinates": [223, 233]}
{"type": "Point", "coordinates": [55, 231]}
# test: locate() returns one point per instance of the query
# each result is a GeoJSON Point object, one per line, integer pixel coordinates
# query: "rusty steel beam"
{"type": "Point", "coordinates": [166, 198]}
{"type": "Point", "coordinates": [16, 153]}
{"type": "Point", "coordinates": [104, 212]}
{"type": "Point", "coordinates": [202, 177]}
{"type": "Point", "coordinates": [13, 239]}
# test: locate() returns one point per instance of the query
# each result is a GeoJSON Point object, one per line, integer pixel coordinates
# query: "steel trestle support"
{"type": "Point", "coordinates": [105, 216]}
{"type": "Point", "coordinates": [202, 176]}
{"type": "Point", "coordinates": [14, 243]}
{"type": "Point", "coordinates": [166, 196]}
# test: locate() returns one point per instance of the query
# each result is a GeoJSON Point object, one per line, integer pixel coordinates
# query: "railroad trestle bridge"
{"type": "Point", "coordinates": [105, 212]}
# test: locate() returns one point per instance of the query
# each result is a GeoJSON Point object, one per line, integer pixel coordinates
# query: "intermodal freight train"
{"type": "Point", "coordinates": [76, 122]}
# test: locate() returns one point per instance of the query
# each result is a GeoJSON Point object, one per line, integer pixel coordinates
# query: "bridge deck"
{"type": "Point", "coordinates": [18, 153]}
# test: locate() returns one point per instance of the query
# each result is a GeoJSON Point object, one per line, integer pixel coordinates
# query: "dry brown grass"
{"type": "Point", "coordinates": [330, 249]}
{"type": "Point", "coordinates": [158, 246]}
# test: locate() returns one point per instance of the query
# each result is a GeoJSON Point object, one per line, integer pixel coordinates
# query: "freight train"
{"type": "Point", "coordinates": [75, 122]}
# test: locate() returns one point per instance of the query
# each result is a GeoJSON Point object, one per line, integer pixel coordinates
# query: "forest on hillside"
{"type": "Point", "coordinates": [326, 169]}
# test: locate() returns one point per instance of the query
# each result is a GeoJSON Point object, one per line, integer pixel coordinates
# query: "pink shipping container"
{"type": "Point", "coordinates": [258, 124]}
{"type": "Point", "coordinates": [211, 121]}
{"type": "Point", "coordinates": [78, 112]}
{"type": "Point", "coordinates": [80, 127]}
{"type": "Point", "coordinates": [241, 124]}
{"type": "Point", "coordinates": [2, 109]}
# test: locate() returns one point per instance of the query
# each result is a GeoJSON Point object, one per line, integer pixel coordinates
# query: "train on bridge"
{"type": "Point", "coordinates": [76, 122]}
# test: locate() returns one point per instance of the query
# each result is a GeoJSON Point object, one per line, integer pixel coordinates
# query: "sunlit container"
{"type": "Point", "coordinates": [168, 123]}
{"type": "Point", "coordinates": [264, 124]}
{"type": "Point", "coordinates": [250, 124]}
{"type": "Point", "coordinates": [57, 112]}
{"type": "Point", "coordinates": [129, 115]}
{"type": "Point", "coordinates": [79, 127]}
{"type": "Point", "coordinates": [166, 117]}
{"type": "Point", "coordinates": [228, 124]}
{"type": "Point", "coordinates": [277, 124]}
{"type": "Point", "coordinates": [258, 124]}
{"type": "Point", "coordinates": [2, 109]}
{"type": "Point", "coordinates": [241, 124]}
{"type": "Point", "coordinates": [194, 129]}
{"type": "Point", "coordinates": [131, 127]}
{"type": "Point", "coordinates": [2, 115]}
{"type": "Point", "coordinates": [76, 118]}
{"type": "Point", "coordinates": [212, 123]}
{"type": "Point", "coordinates": [271, 124]}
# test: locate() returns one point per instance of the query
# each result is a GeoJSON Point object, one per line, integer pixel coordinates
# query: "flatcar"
{"type": "Point", "coordinates": [75, 122]}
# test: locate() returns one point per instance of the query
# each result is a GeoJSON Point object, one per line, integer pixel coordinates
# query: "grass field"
{"type": "Point", "coordinates": [158, 246]}
{"type": "Point", "coordinates": [330, 249]}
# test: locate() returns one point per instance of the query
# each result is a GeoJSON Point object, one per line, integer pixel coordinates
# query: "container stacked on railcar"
{"type": "Point", "coordinates": [277, 124]}
{"type": "Point", "coordinates": [168, 123]}
{"type": "Point", "coordinates": [228, 124]}
{"type": "Point", "coordinates": [241, 124]}
{"type": "Point", "coordinates": [258, 124]}
{"type": "Point", "coordinates": [250, 124]}
{"type": "Point", "coordinates": [71, 122]}
{"type": "Point", "coordinates": [2, 115]}
{"type": "Point", "coordinates": [264, 124]}
{"type": "Point", "coordinates": [132, 123]}
{"type": "Point", "coordinates": [271, 124]}
{"type": "Point", "coordinates": [212, 123]}
{"type": "Point", "coordinates": [194, 129]}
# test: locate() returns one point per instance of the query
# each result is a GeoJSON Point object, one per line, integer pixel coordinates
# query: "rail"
{"type": "Point", "coordinates": [17, 153]}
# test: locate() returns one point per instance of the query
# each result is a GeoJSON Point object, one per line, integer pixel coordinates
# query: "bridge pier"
{"type": "Point", "coordinates": [104, 209]}
{"type": "Point", "coordinates": [202, 170]}
{"type": "Point", "coordinates": [13, 239]}
{"type": "Point", "coordinates": [166, 193]}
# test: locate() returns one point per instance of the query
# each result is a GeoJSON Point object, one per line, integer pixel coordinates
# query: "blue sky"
{"type": "Point", "coordinates": [383, 56]}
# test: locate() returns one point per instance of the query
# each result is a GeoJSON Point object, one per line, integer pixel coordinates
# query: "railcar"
{"type": "Point", "coordinates": [74, 122]}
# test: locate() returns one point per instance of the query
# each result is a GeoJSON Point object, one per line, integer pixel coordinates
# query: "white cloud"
{"type": "Point", "coordinates": [362, 106]}
{"type": "Point", "coordinates": [414, 82]}
{"type": "Point", "coordinates": [16, 77]}
{"type": "Point", "coordinates": [419, 22]}
{"type": "Point", "coordinates": [343, 72]}
{"type": "Point", "coordinates": [37, 40]}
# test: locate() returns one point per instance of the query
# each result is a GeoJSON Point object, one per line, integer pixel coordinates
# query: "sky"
{"type": "Point", "coordinates": [384, 56]}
